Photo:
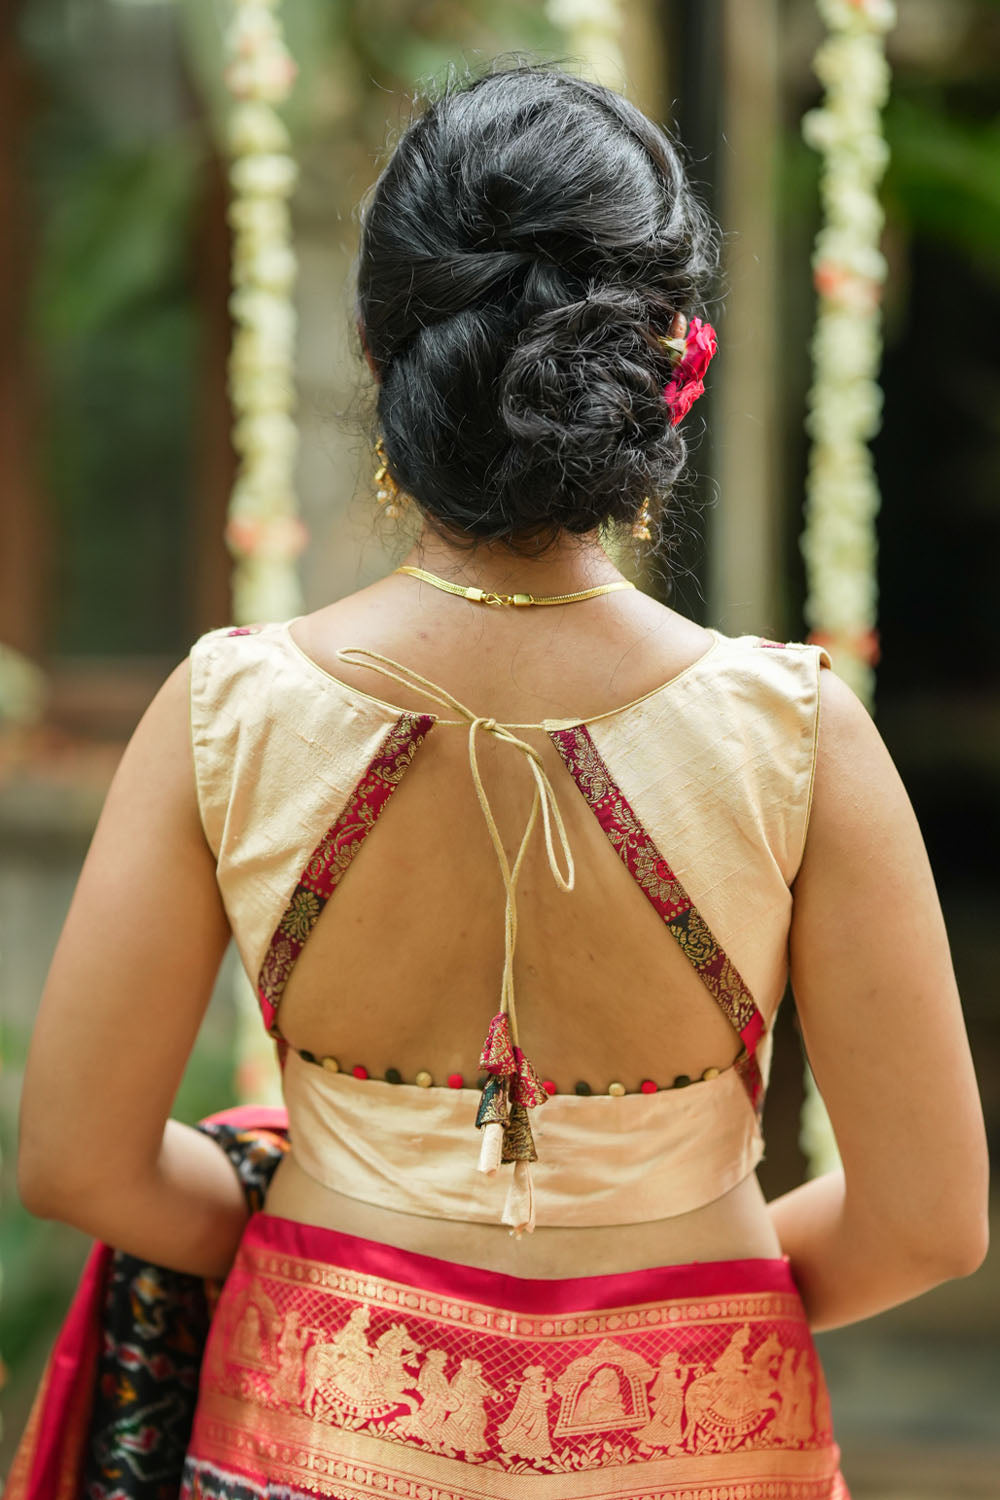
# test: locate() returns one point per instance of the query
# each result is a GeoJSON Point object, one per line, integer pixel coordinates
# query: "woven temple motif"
{"type": "Point", "coordinates": [337, 1382]}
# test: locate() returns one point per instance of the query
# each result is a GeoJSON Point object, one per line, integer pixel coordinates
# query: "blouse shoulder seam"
{"type": "Point", "coordinates": [821, 658]}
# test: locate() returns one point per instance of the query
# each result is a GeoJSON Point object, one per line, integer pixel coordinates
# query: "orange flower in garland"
{"type": "Point", "coordinates": [687, 382]}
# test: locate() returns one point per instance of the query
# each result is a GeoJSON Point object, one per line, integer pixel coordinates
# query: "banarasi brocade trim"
{"type": "Point", "coordinates": [667, 896]}
{"type": "Point", "coordinates": [332, 857]}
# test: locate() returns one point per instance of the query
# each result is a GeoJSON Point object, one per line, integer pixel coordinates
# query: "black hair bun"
{"type": "Point", "coordinates": [581, 395]}
{"type": "Point", "coordinates": [524, 251]}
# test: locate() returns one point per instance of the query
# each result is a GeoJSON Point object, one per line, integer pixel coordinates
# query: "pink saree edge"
{"type": "Point", "coordinates": [516, 1293]}
{"type": "Point", "coordinates": [46, 1464]}
{"type": "Point", "coordinates": [251, 1117]}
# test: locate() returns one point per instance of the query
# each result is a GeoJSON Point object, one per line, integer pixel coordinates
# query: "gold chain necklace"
{"type": "Point", "coordinates": [489, 596]}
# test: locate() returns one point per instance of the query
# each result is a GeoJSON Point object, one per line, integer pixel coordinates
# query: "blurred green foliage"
{"type": "Point", "coordinates": [115, 332]}
{"type": "Point", "coordinates": [370, 47]}
{"type": "Point", "coordinates": [115, 229]}
{"type": "Point", "coordinates": [944, 175]}
{"type": "Point", "coordinates": [114, 315]}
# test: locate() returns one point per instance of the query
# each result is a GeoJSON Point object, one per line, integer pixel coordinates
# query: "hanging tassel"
{"type": "Point", "coordinates": [491, 1118]}
{"type": "Point", "coordinates": [512, 1088]}
{"type": "Point", "coordinates": [519, 1209]}
{"type": "Point", "coordinates": [491, 1149]}
{"type": "Point", "coordinates": [526, 1086]}
{"type": "Point", "coordinates": [497, 1056]}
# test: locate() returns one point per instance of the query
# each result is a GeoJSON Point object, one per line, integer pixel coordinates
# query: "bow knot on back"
{"type": "Point", "coordinates": [543, 798]}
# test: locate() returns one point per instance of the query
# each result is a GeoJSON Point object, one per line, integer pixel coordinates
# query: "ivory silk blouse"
{"type": "Point", "coordinates": [703, 786]}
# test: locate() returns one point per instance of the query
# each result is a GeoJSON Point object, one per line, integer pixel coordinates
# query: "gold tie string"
{"type": "Point", "coordinates": [543, 798]}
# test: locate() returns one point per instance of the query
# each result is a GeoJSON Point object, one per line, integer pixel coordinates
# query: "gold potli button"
{"type": "Point", "coordinates": [513, 1087]}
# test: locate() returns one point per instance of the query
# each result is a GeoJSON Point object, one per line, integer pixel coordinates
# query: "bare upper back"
{"type": "Point", "coordinates": [519, 665]}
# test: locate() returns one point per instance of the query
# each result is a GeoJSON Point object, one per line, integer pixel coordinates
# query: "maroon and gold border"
{"type": "Point", "coordinates": [666, 894]}
{"type": "Point", "coordinates": [332, 856]}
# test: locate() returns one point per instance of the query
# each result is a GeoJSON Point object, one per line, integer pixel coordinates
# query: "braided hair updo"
{"type": "Point", "coordinates": [530, 239]}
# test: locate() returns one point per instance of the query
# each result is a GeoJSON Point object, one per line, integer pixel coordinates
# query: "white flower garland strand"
{"type": "Point", "coordinates": [264, 532]}
{"type": "Point", "coordinates": [845, 401]}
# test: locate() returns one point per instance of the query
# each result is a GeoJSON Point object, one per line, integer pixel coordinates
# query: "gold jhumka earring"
{"type": "Point", "coordinates": [387, 491]}
{"type": "Point", "coordinates": [641, 526]}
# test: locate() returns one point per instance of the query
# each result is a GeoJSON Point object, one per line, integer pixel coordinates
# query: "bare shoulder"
{"type": "Point", "coordinates": [858, 794]}
{"type": "Point", "coordinates": [163, 734]}
{"type": "Point", "coordinates": [846, 726]}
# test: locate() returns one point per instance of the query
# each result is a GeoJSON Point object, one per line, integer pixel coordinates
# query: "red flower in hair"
{"type": "Point", "coordinates": [687, 382]}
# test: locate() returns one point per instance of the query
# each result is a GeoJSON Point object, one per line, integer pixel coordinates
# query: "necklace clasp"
{"type": "Point", "coordinates": [483, 596]}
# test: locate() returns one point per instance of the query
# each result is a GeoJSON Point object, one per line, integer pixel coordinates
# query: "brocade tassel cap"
{"type": "Point", "coordinates": [518, 1141]}
{"type": "Point", "coordinates": [526, 1086]}
{"type": "Point", "coordinates": [493, 1106]}
{"type": "Point", "coordinates": [497, 1056]}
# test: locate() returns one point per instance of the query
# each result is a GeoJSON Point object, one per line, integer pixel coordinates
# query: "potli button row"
{"type": "Point", "coordinates": [425, 1080]}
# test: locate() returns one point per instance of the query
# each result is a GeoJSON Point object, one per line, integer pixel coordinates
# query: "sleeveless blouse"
{"type": "Point", "coordinates": [703, 786]}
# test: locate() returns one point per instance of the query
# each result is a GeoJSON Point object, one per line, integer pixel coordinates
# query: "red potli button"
{"type": "Point", "coordinates": [549, 1086]}
{"type": "Point", "coordinates": [456, 1081]}
{"type": "Point", "coordinates": [647, 1086]}
{"type": "Point", "coordinates": [359, 1071]}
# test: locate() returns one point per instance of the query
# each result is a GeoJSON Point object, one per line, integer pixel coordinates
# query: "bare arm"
{"type": "Point", "coordinates": [882, 1024]}
{"type": "Point", "coordinates": [131, 978]}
